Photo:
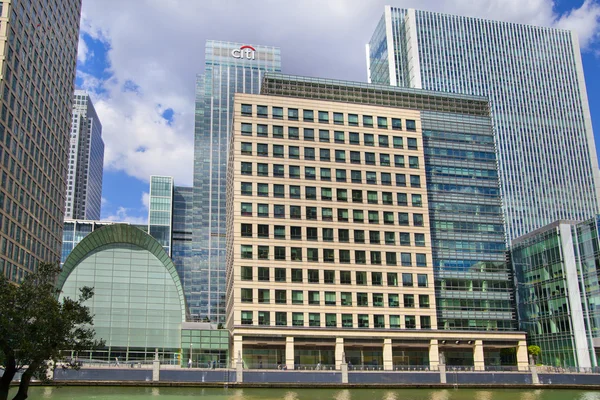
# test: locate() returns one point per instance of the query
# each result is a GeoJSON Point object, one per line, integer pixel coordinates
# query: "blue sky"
{"type": "Point", "coordinates": [139, 60]}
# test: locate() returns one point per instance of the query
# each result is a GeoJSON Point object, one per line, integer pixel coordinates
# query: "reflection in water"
{"type": "Point", "coordinates": [343, 395]}
{"type": "Point", "coordinates": [155, 392]}
{"type": "Point", "coordinates": [440, 395]}
{"type": "Point", "coordinates": [237, 394]}
{"type": "Point", "coordinates": [533, 395]}
{"type": "Point", "coordinates": [48, 392]}
{"type": "Point", "coordinates": [484, 395]}
{"type": "Point", "coordinates": [590, 396]}
{"type": "Point", "coordinates": [390, 396]}
{"type": "Point", "coordinates": [291, 396]}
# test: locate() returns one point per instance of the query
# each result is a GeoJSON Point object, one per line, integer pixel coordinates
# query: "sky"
{"type": "Point", "coordinates": [139, 59]}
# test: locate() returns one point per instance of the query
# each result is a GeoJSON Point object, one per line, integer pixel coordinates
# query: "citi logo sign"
{"type": "Point", "coordinates": [246, 52]}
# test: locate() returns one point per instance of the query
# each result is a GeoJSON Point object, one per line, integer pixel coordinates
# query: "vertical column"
{"type": "Point", "coordinates": [478, 360]}
{"type": "Point", "coordinates": [434, 355]}
{"type": "Point", "coordinates": [237, 354]}
{"type": "Point", "coordinates": [388, 359]}
{"type": "Point", "coordinates": [155, 367]}
{"type": "Point", "coordinates": [289, 352]}
{"type": "Point", "coordinates": [522, 360]}
{"type": "Point", "coordinates": [339, 352]}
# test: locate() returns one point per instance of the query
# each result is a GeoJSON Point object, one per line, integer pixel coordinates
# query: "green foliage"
{"type": "Point", "coordinates": [534, 350]}
{"type": "Point", "coordinates": [35, 327]}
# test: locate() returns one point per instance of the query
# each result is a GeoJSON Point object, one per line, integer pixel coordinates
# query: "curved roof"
{"type": "Point", "coordinates": [115, 234]}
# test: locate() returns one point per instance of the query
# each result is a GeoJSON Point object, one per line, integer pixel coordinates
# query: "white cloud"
{"type": "Point", "coordinates": [160, 49]}
{"type": "Point", "coordinates": [82, 51]}
{"type": "Point", "coordinates": [146, 200]}
{"type": "Point", "coordinates": [122, 214]}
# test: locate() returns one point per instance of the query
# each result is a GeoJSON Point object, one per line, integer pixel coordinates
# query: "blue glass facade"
{"type": "Point", "coordinates": [533, 78]}
{"type": "Point", "coordinates": [230, 68]}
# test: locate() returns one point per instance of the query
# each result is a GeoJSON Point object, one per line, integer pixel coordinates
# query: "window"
{"type": "Point", "coordinates": [361, 277]}
{"type": "Point", "coordinates": [312, 255]}
{"type": "Point", "coordinates": [262, 111]}
{"type": "Point", "coordinates": [396, 123]}
{"type": "Point", "coordinates": [421, 260]}
{"type": "Point", "coordinates": [246, 148]}
{"type": "Point", "coordinates": [403, 218]}
{"type": "Point", "coordinates": [246, 168]}
{"type": "Point", "coordinates": [376, 257]}
{"type": "Point", "coordinates": [325, 174]}
{"type": "Point", "coordinates": [379, 321]}
{"type": "Point", "coordinates": [263, 210]}
{"type": "Point", "coordinates": [382, 122]}
{"type": "Point", "coordinates": [295, 232]}
{"type": "Point", "coordinates": [311, 234]}
{"type": "Point", "coordinates": [309, 134]}
{"type": "Point", "coordinates": [328, 255]}
{"type": "Point", "coordinates": [362, 299]}
{"type": "Point", "coordinates": [398, 142]}
{"type": "Point", "coordinates": [405, 259]}
{"type": "Point", "coordinates": [313, 276]}
{"type": "Point", "coordinates": [281, 297]}
{"type": "Point", "coordinates": [279, 231]}
{"type": "Point", "coordinates": [346, 320]}
{"type": "Point", "coordinates": [409, 300]}
{"type": "Point", "coordinates": [340, 175]}
{"type": "Point", "coordinates": [279, 211]}
{"type": "Point", "coordinates": [411, 125]}
{"type": "Point", "coordinates": [341, 194]}
{"type": "Point", "coordinates": [371, 177]}
{"type": "Point", "coordinates": [425, 322]}
{"type": "Point", "coordinates": [344, 256]}
{"type": "Point", "coordinates": [387, 198]}
{"type": "Point", "coordinates": [263, 254]}
{"type": "Point", "coordinates": [357, 196]}
{"type": "Point", "coordinates": [401, 198]}
{"type": "Point", "coordinates": [246, 317]}
{"type": "Point", "coordinates": [246, 129]}
{"type": "Point", "coordinates": [344, 236]}
{"type": "Point", "coordinates": [338, 118]}
{"type": "Point", "coordinates": [373, 217]}
{"type": "Point", "coordinates": [294, 192]}
{"type": "Point", "coordinates": [278, 131]}
{"type": "Point", "coordinates": [420, 239]}
{"type": "Point", "coordinates": [311, 213]}
{"type": "Point", "coordinates": [394, 321]}
{"type": "Point", "coordinates": [338, 137]}
{"type": "Point", "coordinates": [398, 161]}
{"type": "Point", "coordinates": [345, 278]}
{"type": "Point", "coordinates": [418, 220]}
{"type": "Point", "coordinates": [247, 209]}
{"type": "Point", "coordinates": [262, 189]}
{"type": "Point", "coordinates": [352, 119]}
{"type": "Point", "coordinates": [376, 278]}
{"type": "Point", "coordinates": [294, 152]}
{"type": "Point", "coordinates": [340, 156]}
{"type": "Point", "coordinates": [328, 276]}
{"type": "Point", "coordinates": [263, 274]}
{"type": "Point", "coordinates": [264, 296]}
{"type": "Point", "coordinates": [330, 320]}
{"type": "Point", "coordinates": [342, 214]}
{"type": "Point", "coordinates": [262, 149]}
{"type": "Point", "coordinates": [354, 138]}
{"type": "Point", "coordinates": [424, 301]}
{"type": "Point", "coordinates": [369, 139]}
{"type": "Point", "coordinates": [355, 157]}
{"type": "Point", "coordinates": [330, 298]}
{"type": "Point", "coordinates": [323, 135]}
{"type": "Point", "coordinates": [363, 320]}
{"type": "Point", "coordinates": [246, 230]}
{"type": "Point", "coordinates": [404, 239]}
{"type": "Point", "coordinates": [392, 279]}
{"type": "Point", "coordinates": [293, 114]}
{"type": "Point", "coordinates": [415, 181]}
{"type": "Point", "coordinates": [246, 273]}
{"type": "Point", "coordinates": [327, 234]}
{"type": "Point", "coordinates": [280, 275]}
{"type": "Point", "coordinates": [308, 115]}
{"type": "Point", "coordinates": [297, 297]}
{"type": "Point", "coordinates": [278, 190]}
{"type": "Point", "coordinates": [293, 133]}
{"type": "Point", "coordinates": [294, 171]}
{"type": "Point", "coordinates": [309, 153]}
{"type": "Point", "coordinates": [367, 120]}
{"type": "Point", "coordinates": [247, 109]}
{"type": "Point", "coordinates": [417, 200]}
{"type": "Point", "coordinates": [324, 117]}
{"type": "Point", "coordinates": [413, 162]}
{"type": "Point", "coordinates": [278, 170]}
{"type": "Point", "coordinates": [278, 150]}
{"type": "Point", "coordinates": [314, 319]}
{"type": "Point", "coordinates": [400, 180]}
{"type": "Point", "coordinates": [374, 237]}
{"type": "Point", "coordinates": [295, 212]}
{"type": "Point", "coordinates": [278, 112]}
{"type": "Point", "coordinates": [295, 254]}
{"type": "Point", "coordinates": [422, 280]}
{"type": "Point", "coordinates": [390, 238]}
{"type": "Point", "coordinates": [386, 178]}
{"type": "Point", "coordinates": [246, 188]}
{"type": "Point", "coordinates": [359, 236]}
{"type": "Point", "coordinates": [377, 299]}
{"type": "Point", "coordinates": [410, 322]}
{"type": "Point", "coordinates": [360, 257]}
{"type": "Point", "coordinates": [384, 160]}
{"type": "Point", "coordinates": [296, 275]}
{"type": "Point", "coordinates": [281, 318]}
{"type": "Point", "coordinates": [261, 169]}
{"type": "Point", "coordinates": [326, 214]}
{"type": "Point", "coordinates": [383, 141]}
{"type": "Point", "coordinates": [324, 155]}
{"type": "Point", "coordinates": [356, 176]}
{"type": "Point", "coordinates": [326, 194]}
{"type": "Point", "coordinates": [370, 158]}
{"type": "Point", "coordinates": [390, 258]}
{"type": "Point", "coordinates": [297, 319]}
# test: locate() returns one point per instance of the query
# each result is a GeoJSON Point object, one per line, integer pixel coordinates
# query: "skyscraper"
{"type": "Point", "coordinates": [230, 68]}
{"type": "Point", "coordinates": [534, 80]}
{"type": "Point", "coordinates": [39, 53]}
{"type": "Point", "coordinates": [86, 161]}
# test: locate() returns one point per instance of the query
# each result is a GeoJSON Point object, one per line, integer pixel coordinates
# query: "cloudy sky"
{"type": "Point", "coordinates": [139, 59]}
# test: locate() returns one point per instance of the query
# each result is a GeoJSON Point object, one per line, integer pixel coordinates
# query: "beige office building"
{"type": "Point", "coordinates": [329, 249]}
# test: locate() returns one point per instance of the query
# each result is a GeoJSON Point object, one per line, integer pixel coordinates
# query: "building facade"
{"type": "Point", "coordinates": [160, 210]}
{"type": "Point", "coordinates": [86, 161]}
{"type": "Point", "coordinates": [473, 282]}
{"type": "Point", "coordinates": [38, 45]}
{"type": "Point", "coordinates": [329, 246]}
{"type": "Point", "coordinates": [533, 78]}
{"type": "Point", "coordinates": [230, 68]}
{"type": "Point", "coordinates": [557, 275]}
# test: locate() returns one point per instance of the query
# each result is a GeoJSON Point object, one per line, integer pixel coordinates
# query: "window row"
{"type": "Point", "coordinates": [331, 320]}
{"type": "Point", "coordinates": [322, 116]}
{"type": "Point", "coordinates": [317, 298]}
{"type": "Point", "coordinates": [344, 256]}
{"type": "Point", "coordinates": [314, 234]}
{"type": "Point", "coordinates": [326, 194]}
{"type": "Point", "coordinates": [327, 155]}
{"type": "Point", "coordinates": [326, 136]}
{"type": "Point", "coordinates": [298, 275]}
{"type": "Point", "coordinates": [327, 214]}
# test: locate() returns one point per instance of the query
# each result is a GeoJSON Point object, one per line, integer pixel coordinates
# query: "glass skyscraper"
{"type": "Point", "coordinates": [230, 68]}
{"type": "Point", "coordinates": [86, 161]}
{"type": "Point", "coordinates": [533, 78]}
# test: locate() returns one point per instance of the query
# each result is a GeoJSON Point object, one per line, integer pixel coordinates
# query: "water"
{"type": "Point", "coordinates": [134, 393]}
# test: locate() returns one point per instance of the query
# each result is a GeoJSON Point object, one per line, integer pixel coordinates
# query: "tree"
{"type": "Point", "coordinates": [35, 327]}
{"type": "Point", "coordinates": [534, 351]}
